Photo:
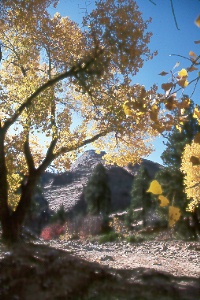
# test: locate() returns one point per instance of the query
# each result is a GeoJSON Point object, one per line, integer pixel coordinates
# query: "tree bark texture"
{"type": "Point", "coordinates": [12, 221]}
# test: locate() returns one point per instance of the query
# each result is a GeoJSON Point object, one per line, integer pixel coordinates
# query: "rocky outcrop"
{"type": "Point", "coordinates": [151, 167]}
{"type": "Point", "coordinates": [67, 188]}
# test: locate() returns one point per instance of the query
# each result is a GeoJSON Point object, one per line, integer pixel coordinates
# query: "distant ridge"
{"type": "Point", "coordinates": [67, 188]}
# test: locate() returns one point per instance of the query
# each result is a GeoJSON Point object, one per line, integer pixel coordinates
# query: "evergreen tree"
{"type": "Point", "coordinates": [177, 139]}
{"type": "Point", "coordinates": [60, 216]}
{"type": "Point", "coordinates": [97, 192]}
{"type": "Point", "coordinates": [170, 177]}
{"type": "Point", "coordinates": [38, 214]}
{"type": "Point", "coordinates": [139, 197]}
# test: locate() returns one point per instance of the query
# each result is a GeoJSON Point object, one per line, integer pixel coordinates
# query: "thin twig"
{"type": "Point", "coordinates": [197, 80]}
{"type": "Point", "coordinates": [173, 12]}
{"type": "Point", "coordinates": [152, 2]}
{"type": "Point", "coordinates": [180, 56]}
{"type": "Point", "coordinates": [193, 186]}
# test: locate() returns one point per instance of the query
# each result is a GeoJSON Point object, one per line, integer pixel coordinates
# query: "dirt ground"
{"type": "Point", "coordinates": [80, 271]}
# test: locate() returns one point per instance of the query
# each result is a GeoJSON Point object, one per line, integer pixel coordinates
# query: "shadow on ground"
{"type": "Point", "coordinates": [29, 272]}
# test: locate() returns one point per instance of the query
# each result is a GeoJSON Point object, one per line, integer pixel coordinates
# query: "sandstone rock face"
{"type": "Point", "coordinates": [67, 188]}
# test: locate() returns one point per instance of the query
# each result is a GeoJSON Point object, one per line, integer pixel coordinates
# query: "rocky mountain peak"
{"type": "Point", "coordinates": [67, 188]}
{"type": "Point", "coordinates": [87, 161]}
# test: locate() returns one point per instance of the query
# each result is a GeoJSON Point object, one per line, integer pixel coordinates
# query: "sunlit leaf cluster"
{"type": "Point", "coordinates": [191, 170]}
{"type": "Point", "coordinates": [63, 87]}
{"type": "Point", "coordinates": [178, 81]}
{"type": "Point", "coordinates": [173, 212]}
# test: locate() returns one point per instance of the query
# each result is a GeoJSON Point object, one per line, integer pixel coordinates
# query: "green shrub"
{"type": "Point", "coordinates": [134, 238]}
{"type": "Point", "coordinates": [109, 237]}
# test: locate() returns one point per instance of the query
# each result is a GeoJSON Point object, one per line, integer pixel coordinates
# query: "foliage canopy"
{"type": "Point", "coordinates": [53, 72]}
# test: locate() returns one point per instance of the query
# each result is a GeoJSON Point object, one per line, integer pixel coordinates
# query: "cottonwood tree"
{"type": "Point", "coordinates": [190, 162]}
{"type": "Point", "coordinates": [170, 177]}
{"type": "Point", "coordinates": [191, 159]}
{"type": "Point", "coordinates": [53, 72]}
{"type": "Point", "coordinates": [191, 170]}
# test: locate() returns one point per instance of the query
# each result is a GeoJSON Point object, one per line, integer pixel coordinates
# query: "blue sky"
{"type": "Point", "coordinates": [167, 39]}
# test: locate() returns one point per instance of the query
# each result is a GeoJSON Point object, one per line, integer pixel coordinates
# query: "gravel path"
{"type": "Point", "coordinates": [176, 257]}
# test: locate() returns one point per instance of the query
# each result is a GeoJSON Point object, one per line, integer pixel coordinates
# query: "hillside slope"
{"type": "Point", "coordinates": [67, 188]}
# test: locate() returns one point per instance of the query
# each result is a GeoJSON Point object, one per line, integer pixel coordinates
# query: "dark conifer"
{"type": "Point", "coordinates": [140, 199]}
{"type": "Point", "coordinates": [97, 192]}
{"type": "Point", "coordinates": [170, 177]}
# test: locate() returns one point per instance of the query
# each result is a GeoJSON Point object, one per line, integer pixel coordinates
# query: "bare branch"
{"type": "Point", "coordinates": [180, 56]}
{"type": "Point", "coordinates": [195, 86]}
{"type": "Point", "coordinates": [193, 186]}
{"type": "Point", "coordinates": [12, 49]}
{"type": "Point", "coordinates": [173, 12]}
{"type": "Point", "coordinates": [152, 2]}
{"type": "Point", "coordinates": [28, 155]}
{"type": "Point", "coordinates": [50, 156]}
{"type": "Point", "coordinates": [83, 143]}
{"type": "Point", "coordinates": [77, 69]}
{"type": "Point", "coordinates": [195, 79]}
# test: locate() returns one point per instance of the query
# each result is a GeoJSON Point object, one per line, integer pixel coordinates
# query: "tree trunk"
{"type": "Point", "coordinates": [5, 214]}
{"type": "Point", "coordinates": [12, 221]}
{"type": "Point", "coordinates": [11, 229]}
{"type": "Point", "coordinates": [195, 224]}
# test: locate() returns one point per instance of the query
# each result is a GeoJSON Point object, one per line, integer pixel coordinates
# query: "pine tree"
{"type": "Point", "coordinates": [170, 177]}
{"type": "Point", "coordinates": [139, 197]}
{"type": "Point", "coordinates": [60, 216]}
{"type": "Point", "coordinates": [97, 192]}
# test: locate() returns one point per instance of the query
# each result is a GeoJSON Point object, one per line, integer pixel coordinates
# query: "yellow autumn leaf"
{"type": "Point", "coordinates": [191, 53]}
{"type": "Point", "coordinates": [179, 128]}
{"type": "Point", "coordinates": [126, 108]}
{"type": "Point", "coordinates": [163, 201]}
{"type": "Point", "coordinates": [192, 68]}
{"type": "Point", "coordinates": [197, 21]}
{"type": "Point", "coordinates": [159, 127]}
{"type": "Point", "coordinates": [174, 215]}
{"type": "Point", "coordinates": [185, 103]}
{"type": "Point", "coordinates": [183, 73]}
{"type": "Point", "coordinates": [155, 188]}
{"type": "Point", "coordinates": [163, 73]}
{"type": "Point", "coordinates": [170, 102]}
{"type": "Point", "coordinates": [196, 113]}
{"type": "Point", "coordinates": [191, 169]}
{"type": "Point", "coordinates": [183, 82]}
{"type": "Point", "coordinates": [167, 86]}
